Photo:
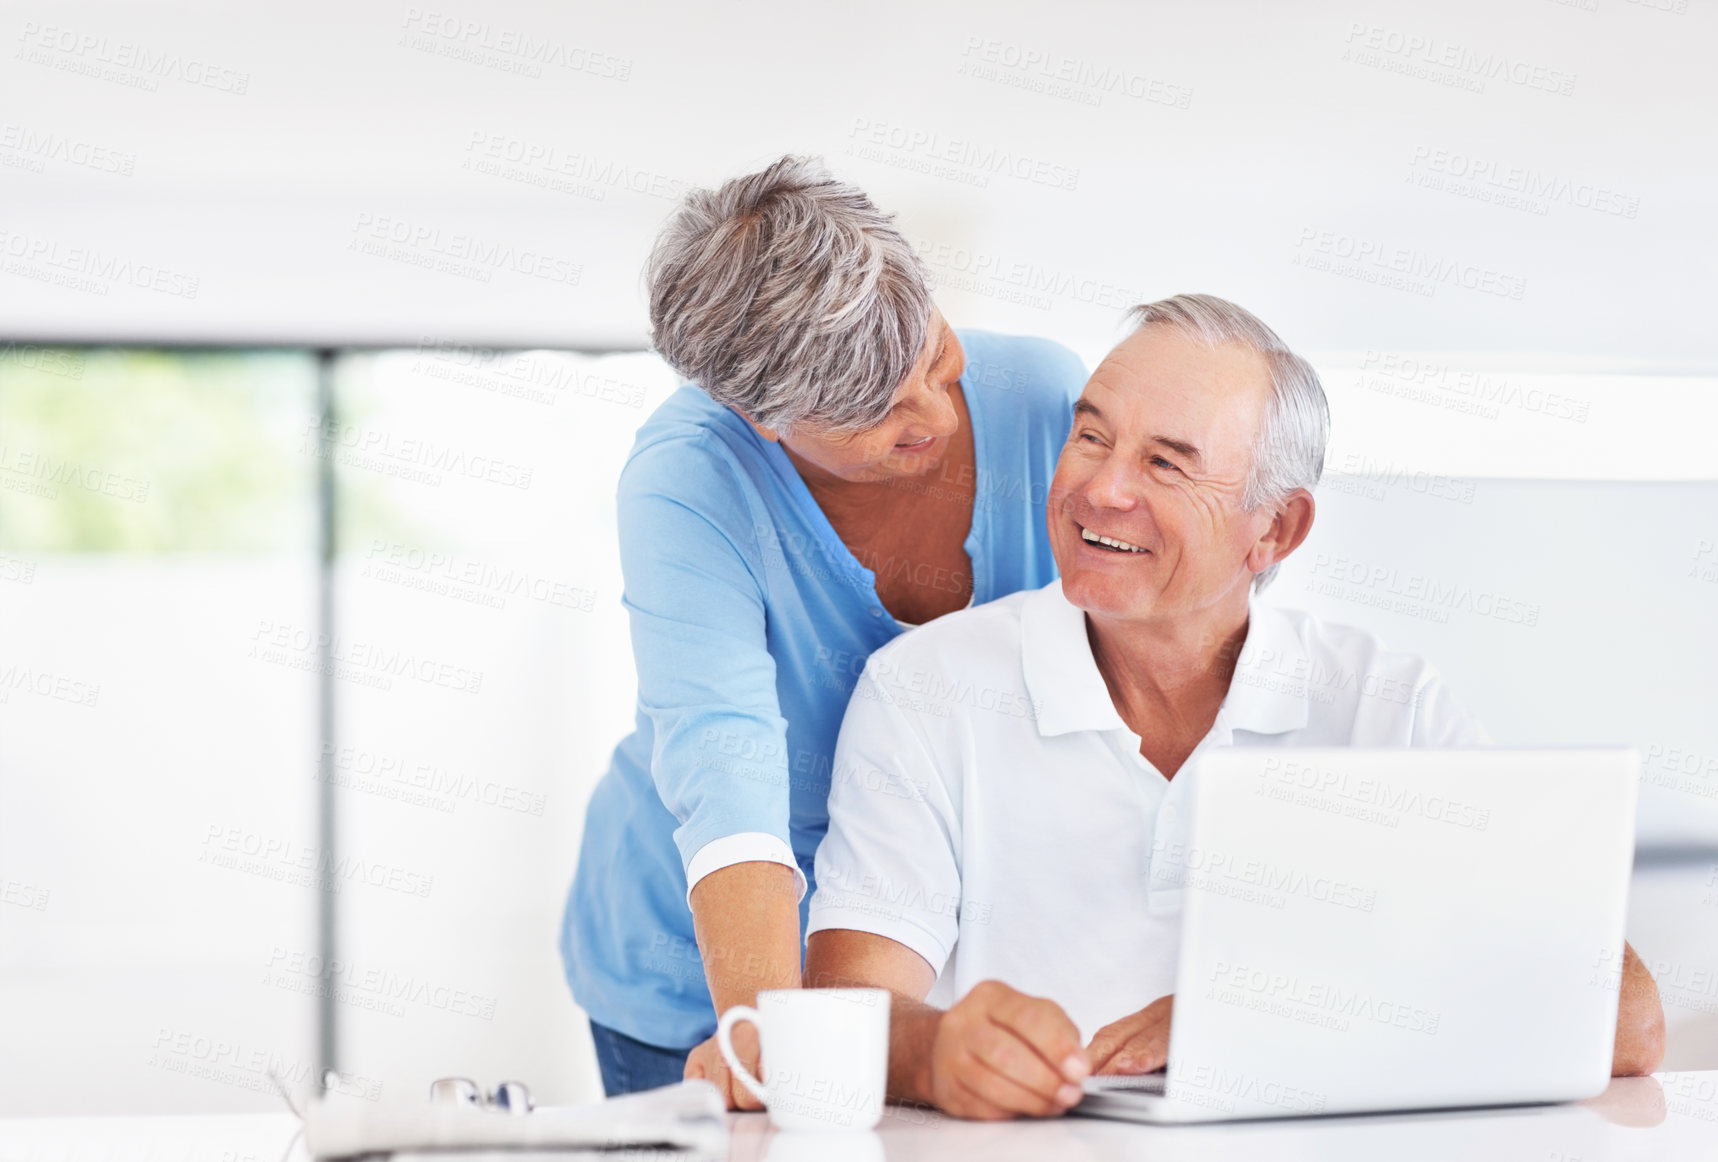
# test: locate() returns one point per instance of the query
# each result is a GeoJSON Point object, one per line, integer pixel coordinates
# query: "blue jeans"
{"type": "Point", "coordinates": [628, 1066]}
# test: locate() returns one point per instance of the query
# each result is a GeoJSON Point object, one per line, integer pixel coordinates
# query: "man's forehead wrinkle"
{"type": "Point", "coordinates": [1153, 428]}
{"type": "Point", "coordinates": [1203, 387]}
{"type": "Point", "coordinates": [1114, 375]}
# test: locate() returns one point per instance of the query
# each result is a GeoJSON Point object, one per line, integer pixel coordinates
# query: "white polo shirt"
{"type": "Point", "coordinates": [990, 810]}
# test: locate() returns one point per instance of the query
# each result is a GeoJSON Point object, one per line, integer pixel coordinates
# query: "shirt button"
{"type": "Point", "coordinates": [876, 613]}
{"type": "Point", "coordinates": [1169, 814]}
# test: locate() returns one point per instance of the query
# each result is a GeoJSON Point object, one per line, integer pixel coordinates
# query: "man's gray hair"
{"type": "Point", "coordinates": [790, 297]}
{"type": "Point", "coordinates": [1288, 453]}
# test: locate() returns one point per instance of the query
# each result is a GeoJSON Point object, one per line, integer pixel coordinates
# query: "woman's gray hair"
{"type": "Point", "coordinates": [1288, 453]}
{"type": "Point", "coordinates": [790, 297]}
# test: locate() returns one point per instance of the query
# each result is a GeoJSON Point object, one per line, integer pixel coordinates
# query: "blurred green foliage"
{"type": "Point", "coordinates": [147, 451]}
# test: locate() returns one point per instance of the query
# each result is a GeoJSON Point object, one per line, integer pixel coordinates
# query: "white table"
{"type": "Point", "coordinates": [1671, 1116]}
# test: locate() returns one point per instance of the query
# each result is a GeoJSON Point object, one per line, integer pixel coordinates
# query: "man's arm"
{"type": "Point", "coordinates": [996, 1054]}
{"type": "Point", "coordinates": [1640, 1021]}
{"type": "Point", "coordinates": [838, 958]}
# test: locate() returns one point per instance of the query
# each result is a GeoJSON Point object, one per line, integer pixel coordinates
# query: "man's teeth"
{"type": "Point", "coordinates": [1093, 538]}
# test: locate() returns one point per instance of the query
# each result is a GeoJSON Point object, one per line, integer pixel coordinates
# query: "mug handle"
{"type": "Point", "coordinates": [724, 1041]}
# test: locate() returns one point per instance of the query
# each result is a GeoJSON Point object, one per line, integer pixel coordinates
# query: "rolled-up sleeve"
{"type": "Point", "coordinates": [889, 864]}
{"type": "Point", "coordinates": [706, 678]}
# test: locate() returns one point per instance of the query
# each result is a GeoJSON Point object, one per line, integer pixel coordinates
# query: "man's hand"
{"type": "Point", "coordinates": [1640, 1021]}
{"type": "Point", "coordinates": [996, 1054]}
{"type": "Point", "coordinates": [706, 1061]}
{"type": "Point", "coordinates": [999, 1053]}
{"type": "Point", "coordinates": [1138, 1043]}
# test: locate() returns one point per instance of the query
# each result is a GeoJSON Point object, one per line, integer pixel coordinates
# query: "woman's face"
{"type": "Point", "coordinates": [911, 440]}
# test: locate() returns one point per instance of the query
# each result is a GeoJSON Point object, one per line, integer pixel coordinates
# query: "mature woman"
{"type": "Point", "coordinates": [846, 467]}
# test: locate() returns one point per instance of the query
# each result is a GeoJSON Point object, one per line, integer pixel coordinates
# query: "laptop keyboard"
{"type": "Point", "coordinates": [1129, 1083]}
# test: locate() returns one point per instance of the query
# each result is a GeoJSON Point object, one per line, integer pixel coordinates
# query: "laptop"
{"type": "Point", "coordinates": [1381, 930]}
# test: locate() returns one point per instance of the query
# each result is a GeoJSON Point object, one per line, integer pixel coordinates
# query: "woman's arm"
{"type": "Point", "coordinates": [706, 680]}
{"type": "Point", "coordinates": [747, 919]}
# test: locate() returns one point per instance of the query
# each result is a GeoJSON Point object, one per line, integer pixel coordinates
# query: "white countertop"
{"type": "Point", "coordinates": [1670, 1116]}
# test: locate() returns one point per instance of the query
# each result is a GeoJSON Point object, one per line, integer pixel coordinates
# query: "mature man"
{"type": "Point", "coordinates": [1006, 817]}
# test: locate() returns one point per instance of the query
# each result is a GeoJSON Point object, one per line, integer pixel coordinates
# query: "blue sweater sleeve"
{"type": "Point", "coordinates": [691, 567]}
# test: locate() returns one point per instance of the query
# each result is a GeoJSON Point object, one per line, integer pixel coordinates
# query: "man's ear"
{"type": "Point", "coordinates": [1286, 532]}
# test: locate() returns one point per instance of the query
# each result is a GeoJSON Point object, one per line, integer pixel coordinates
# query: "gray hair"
{"type": "Point", "coordinates": [790, 297]}
{"type": "Point", "coordinates": [1288, 453]}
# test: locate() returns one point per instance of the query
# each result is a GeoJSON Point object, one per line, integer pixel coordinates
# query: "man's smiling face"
{"type": "Point", "coordinates": [1145, 511]}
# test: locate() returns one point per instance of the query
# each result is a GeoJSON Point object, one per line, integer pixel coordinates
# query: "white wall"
{"type": "Point", "coordinates": [1254, 134]}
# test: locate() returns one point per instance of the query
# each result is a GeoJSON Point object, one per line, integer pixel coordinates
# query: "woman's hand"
{"type": "Point", "coordinates": [1138, 1043]}
{"type": "Point", "coordinates": [706, 1061]}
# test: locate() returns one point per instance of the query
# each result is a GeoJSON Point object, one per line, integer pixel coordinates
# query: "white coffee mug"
{"type": "Point", "coordinates": [825, 1051]}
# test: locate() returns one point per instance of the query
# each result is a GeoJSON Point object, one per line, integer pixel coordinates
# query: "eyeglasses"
{"type": "Point", "coordinates": [510, 1097]}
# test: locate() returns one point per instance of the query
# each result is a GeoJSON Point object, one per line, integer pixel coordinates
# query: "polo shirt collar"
{"type": "Point", "coordinates": [1268, 694]}
{"type": "Point", "coordinates": [1061, 675]}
